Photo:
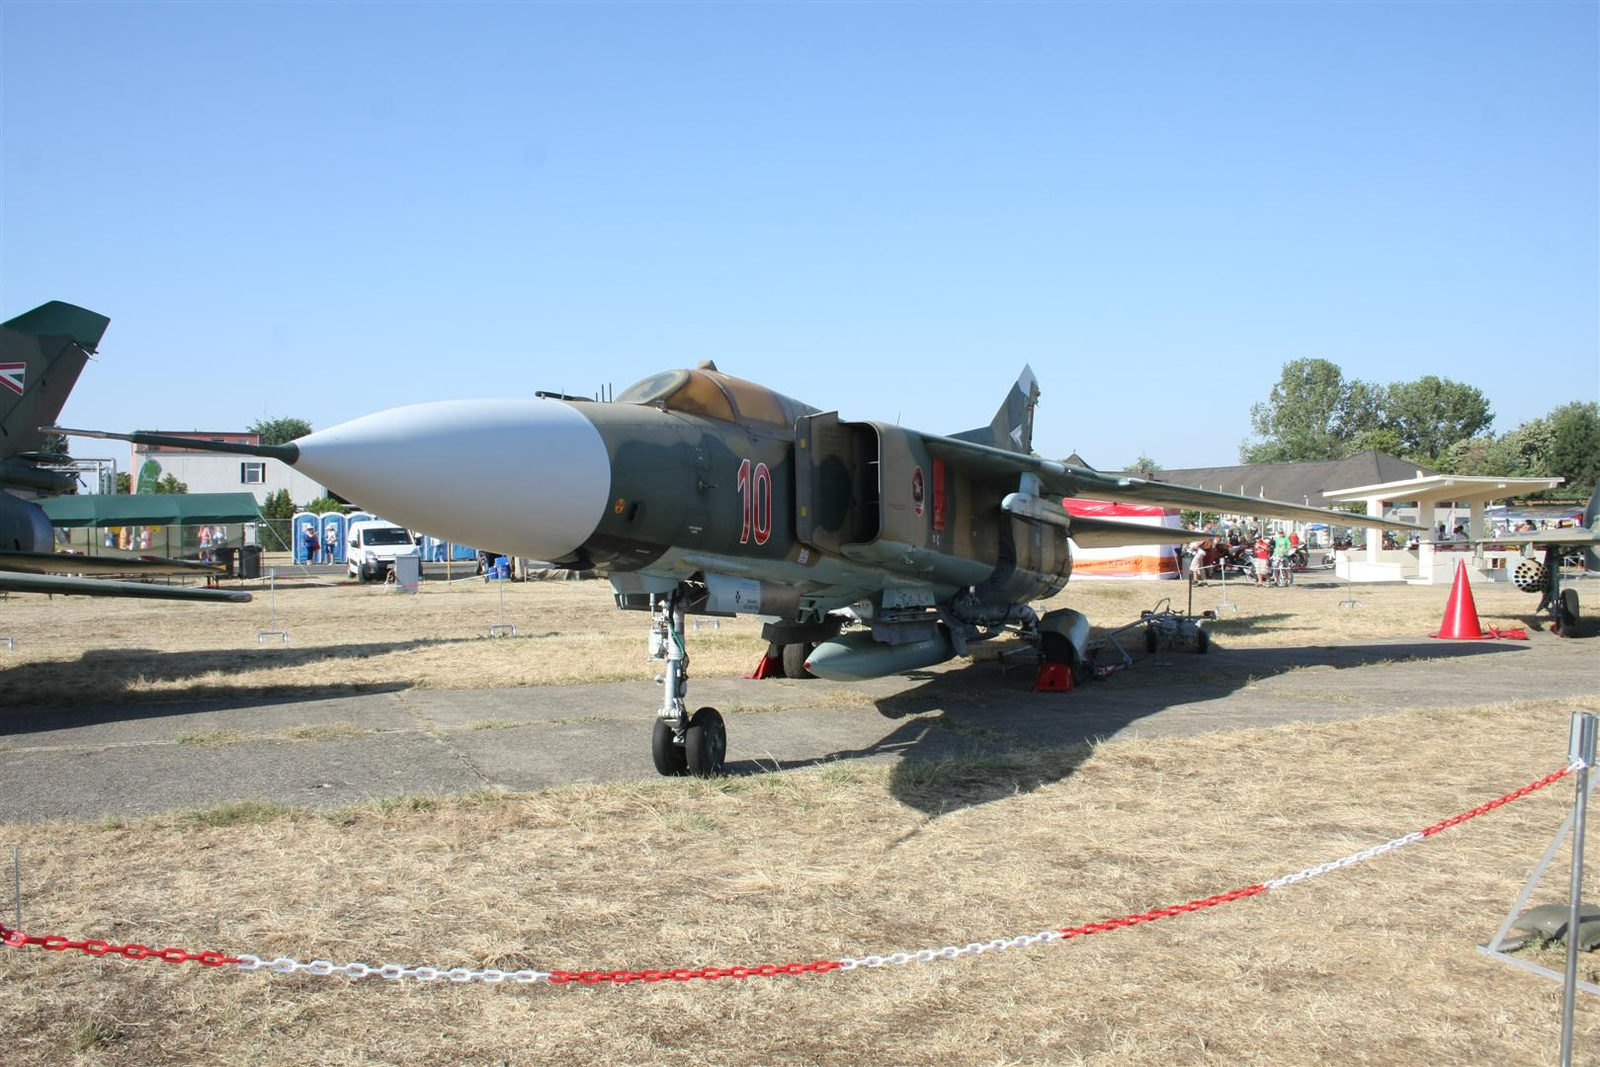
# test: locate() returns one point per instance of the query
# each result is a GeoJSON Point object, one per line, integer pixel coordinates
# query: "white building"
{"type": "Point", "coordinates": [218, 472]}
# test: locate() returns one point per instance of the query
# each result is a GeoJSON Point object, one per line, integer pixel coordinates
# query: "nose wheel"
{"type": "Point", "coordinates": [681, 744]}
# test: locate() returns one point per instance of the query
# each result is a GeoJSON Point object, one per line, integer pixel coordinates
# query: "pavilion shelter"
{"type": "Point", "coordinates": [1435, 557]}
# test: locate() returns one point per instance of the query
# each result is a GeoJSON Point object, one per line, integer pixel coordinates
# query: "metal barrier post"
{"type": "Point", "coordinates": [1222, 574]}
{"type": "Point", "coordinates": [16, 868]}
{"type": "Point", "coordinates": [1349, 600]}
{"type": "Point", "coordinates": [502, 627]}
{"type": "Point", "coordinates": [1580, 747]}
{"type": "Point", "coordinates": [272, 592]}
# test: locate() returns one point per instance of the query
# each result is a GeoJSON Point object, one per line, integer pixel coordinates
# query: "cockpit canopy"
{"type": "Point", "coordinates": [708, 392]}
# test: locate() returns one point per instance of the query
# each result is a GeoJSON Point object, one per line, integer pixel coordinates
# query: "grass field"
{"type": "Point", "coordinates": [347, 637]}
{"type": "Point", "coordinates": [1372, 965]}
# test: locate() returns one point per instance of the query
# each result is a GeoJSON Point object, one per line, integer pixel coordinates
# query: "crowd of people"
{"type": "Point", "coordinates": [1256, 554]}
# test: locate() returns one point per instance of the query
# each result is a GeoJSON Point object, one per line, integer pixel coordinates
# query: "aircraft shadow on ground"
{"type": "Point", "coordinates": [980, 733]}
{"type": "Point", "coordinates": [37, 689]}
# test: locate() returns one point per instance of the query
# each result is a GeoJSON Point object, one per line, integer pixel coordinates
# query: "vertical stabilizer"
{"type": "Point", "coordinates": [1012, 428]}
{"type": "Point", "coordinates": [41, 353]}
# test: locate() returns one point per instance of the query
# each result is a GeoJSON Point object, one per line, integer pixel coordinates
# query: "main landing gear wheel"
{"type": "Point", "coordinates": [1566, 620]}
{"type": "Point", "coordinates": [795, 655]}
{"type": "Point", "coordinates": [669, 756]}
{"type": "Point", "coordinates": [705, 743]}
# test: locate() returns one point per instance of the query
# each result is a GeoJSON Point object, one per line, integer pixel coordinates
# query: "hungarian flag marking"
{"type": "Point", "coordinates": [11, 376]}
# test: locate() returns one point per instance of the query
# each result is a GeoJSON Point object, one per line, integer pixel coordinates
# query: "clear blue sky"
{"type": "Point", "coordinates": [323, 210]}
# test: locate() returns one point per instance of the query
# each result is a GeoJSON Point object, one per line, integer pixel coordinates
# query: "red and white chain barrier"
{"type": "Point", "coordinates": [396, 972]}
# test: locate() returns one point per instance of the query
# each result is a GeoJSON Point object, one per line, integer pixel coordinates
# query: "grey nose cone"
{"type": "Point", "coordinates": [528, 477]}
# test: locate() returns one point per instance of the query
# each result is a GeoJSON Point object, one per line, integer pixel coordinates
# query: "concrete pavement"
{"type": "Point", "coordinates": [332, 751]}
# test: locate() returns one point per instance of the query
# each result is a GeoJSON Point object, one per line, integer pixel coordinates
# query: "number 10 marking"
{"type": "Point", "coordinates": [755, 495]}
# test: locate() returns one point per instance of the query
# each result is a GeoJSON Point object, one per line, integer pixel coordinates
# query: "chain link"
{"type": "Point", "coordinates": [494, 976]}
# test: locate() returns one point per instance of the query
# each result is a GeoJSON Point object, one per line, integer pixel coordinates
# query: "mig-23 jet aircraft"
{"type": "Point", "coordinates": [1543, 576]}
{"type": "Point", "coordinates": [41, 354]}
{"type": "Point", "coordinates": [697, 492]}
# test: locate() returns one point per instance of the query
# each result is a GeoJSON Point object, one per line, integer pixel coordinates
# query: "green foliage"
{"type": "Point", "coordinates": [124, 482]}
{"type": "Point", "coordinates": [1312, 413]}
{"type": "Point", "coordinates": [280, 431]}
{"type": "Point", "coordinates": [1432, 413]}
{"type": "Point", "coordinates": [1381, 438]}
{"type": "Point", "coordinates": [169, 484]}
{"type": "Point", "coordinates": [1574, 449]}
{"type": "Point", "coordinates": [324, 504]}
{"type": "Point", "coordinates": [278, 510]}
{"type": "Point", "coordinates": [1144, 465]}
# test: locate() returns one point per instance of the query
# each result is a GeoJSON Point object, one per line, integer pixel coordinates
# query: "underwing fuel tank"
{"type": "Point", "coordinates": [855, 657]}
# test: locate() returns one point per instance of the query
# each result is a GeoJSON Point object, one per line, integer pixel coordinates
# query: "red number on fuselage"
{"type": "Point", "coordinates": [755, 499]}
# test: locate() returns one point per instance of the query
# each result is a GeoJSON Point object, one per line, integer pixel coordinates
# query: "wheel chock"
{"type": "Point", "coordinates": [769, 667]}
{"type": "Point", "coordinates": [1054, 678]}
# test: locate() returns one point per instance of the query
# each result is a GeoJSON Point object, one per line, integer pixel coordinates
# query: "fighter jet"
{"type": "Point", "coordinates": [41, 354]}
{"type": "Point", "coordinates": [870, 548]}
{"type": "Point", "coordinates": [1543, 576]}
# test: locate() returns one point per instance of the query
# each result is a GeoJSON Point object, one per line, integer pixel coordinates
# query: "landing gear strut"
{"type": "Point", "coordinates": [680, 744]}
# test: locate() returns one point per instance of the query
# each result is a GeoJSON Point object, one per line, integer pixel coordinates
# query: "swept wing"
{"type": "Point", "coordinates": [62, 585]}
{"type": "Point", "coordinates": [1001, 468]}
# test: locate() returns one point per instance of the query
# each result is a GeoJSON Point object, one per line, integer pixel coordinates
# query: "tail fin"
{"type": "Point", "coordinates": [41, 353]}
{"type": "Point", "coordinates": [1012, 428]}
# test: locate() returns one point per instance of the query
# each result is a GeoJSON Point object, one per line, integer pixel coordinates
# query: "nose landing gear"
{"type": "Point", "coordinates": [680, 744]}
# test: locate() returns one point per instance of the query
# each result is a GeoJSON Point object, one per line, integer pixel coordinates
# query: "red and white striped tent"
{"type": "Point", "coordinates": [1127, 562]}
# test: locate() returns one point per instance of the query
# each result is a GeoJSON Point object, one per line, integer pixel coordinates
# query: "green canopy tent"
{"type": "Point", "coordinates": [178, 515]}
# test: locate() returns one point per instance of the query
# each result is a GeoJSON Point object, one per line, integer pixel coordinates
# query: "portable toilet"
{"type": "Point", "coordinates": [333, 527]}
{"type": "Point", "coordinates": [433, 549]}
{"type": "Point", "coordinates": [303, 523]}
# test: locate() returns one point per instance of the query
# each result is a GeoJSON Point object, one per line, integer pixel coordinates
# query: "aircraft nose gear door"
{"type": "Point", "coordinates": [681, 744]}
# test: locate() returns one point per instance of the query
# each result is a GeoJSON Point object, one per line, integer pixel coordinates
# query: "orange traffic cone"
{"type": "Point", "coordinates": [1461, 613]}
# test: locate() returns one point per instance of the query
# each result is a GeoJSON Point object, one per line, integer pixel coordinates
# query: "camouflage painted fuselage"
{"type": "Point", "coordinates": [795, 519]}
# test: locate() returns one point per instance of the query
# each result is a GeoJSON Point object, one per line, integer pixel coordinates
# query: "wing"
{"type": "Point", "coordinates": [1089, 532]}
{"type": "Point", "coordinates": [69, 563]}
{"type": "Point", "coordinates": [61, 585]}
{"type": "Point", "coordinates": [1575, 536]}
{"type": "Point", "coordinates": [1002, 469]}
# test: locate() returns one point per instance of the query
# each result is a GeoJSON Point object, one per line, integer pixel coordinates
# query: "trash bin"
{"type": "Point", "coordinates": [249, 561]}
{"type": "Point", "coordinates": [225, 558]}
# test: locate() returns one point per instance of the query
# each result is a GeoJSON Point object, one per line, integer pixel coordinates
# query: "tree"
{"type": "Point", "coordinates": [1433, 413]}
{"type": "Point", "coordinates": [1574, 449]}
{"type": "Point", "coordinates": [1382, 438]}
{"type": "Point", "coordinates": [324, 504]}
{"type": "Point", "coordinates": [1312, 413]}
{"type": "Point", "coordinates": [280, 431]}
{"type": "Point", "coordinates": [170, 484]}
{"type": "Point", "coordinates": [1144, 465]}
{"type": "Point", "coordinates": [278, 510]}
{"type": "Point", "coordinates": [124, 482]}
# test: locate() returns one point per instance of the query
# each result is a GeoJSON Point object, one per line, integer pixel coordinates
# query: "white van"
{"type": "Point", "coordinates": [371, 546]}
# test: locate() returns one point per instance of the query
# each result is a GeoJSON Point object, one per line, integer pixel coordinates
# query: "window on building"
{"type": "Point", "coordinates": [252, 473]}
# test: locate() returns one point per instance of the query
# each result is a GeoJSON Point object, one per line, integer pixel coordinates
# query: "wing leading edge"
{"type": "Point", "coordinates": [1003, 469]}
{"type": "Point", "coordinates": [61, 585]}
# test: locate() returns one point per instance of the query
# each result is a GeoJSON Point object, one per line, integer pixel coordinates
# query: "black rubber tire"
{"type": "Point", "coordinates": [1202, 642]}
{"type": "Point", "coordinates": [670, 759]}
{"type": "Point", "coordinates": [705, 743]}
{"type": "Point", "coordinates": [1566, 622]}
{"type": "Point", "coordinates": [795, 655]}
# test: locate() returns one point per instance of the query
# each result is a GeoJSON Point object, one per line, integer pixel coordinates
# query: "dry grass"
{"type": "Point", "coordinates": [1374, 965]}
{"type": "Point", "coordinates": [354, 638]}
